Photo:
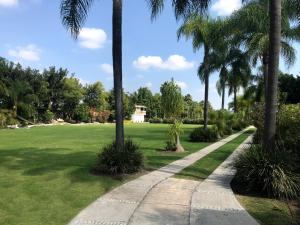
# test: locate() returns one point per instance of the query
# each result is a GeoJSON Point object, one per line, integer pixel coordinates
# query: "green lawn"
{"type": "Point", "coordinates": [205, 166]}
{"type": "Point", "coordinates": [44, 171]}
{"type": "Point", "coordinates": [267, 211]}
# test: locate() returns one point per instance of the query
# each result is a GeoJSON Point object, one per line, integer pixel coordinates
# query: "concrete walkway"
{"type": "Point", "coordinates": [213, 201]}
{"type": "Point", "coordinates": [144, 200]}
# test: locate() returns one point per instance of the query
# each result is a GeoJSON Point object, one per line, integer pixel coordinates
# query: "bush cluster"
{"type": "Point", "coordinates": [113, 161]}
{"type": "Point", "coordinates": [269, 172]}
{"type": "Point", "coordinates": [169, 121]}
{"type": "Point", "coordinates": [288, 126]}
{"type": "Point", "coordinates": [200, 134]}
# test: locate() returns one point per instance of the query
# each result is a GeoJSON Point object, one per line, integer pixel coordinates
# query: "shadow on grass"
{"type": "Point", "coordinates": [39, 162]}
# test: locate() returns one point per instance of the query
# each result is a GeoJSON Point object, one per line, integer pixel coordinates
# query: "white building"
{"type": "Point", "coordinates": [139, 114]}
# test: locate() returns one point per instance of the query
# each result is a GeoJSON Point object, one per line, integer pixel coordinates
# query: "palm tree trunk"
{"type": "Point", "coordinates": [235, 100]}
{"type": "Point", "coordinates": [265, 72]}
{"type": "Point", "coordinates": [206, 77]}
{"type": "Point", "coordinates": [223, 97]}
{"type": "Point", "coordinates": [274, 51]}
{"type": "Point", "coordinates": [117, 65]}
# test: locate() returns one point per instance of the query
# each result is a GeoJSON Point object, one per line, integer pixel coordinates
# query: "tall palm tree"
{"type": "Point", "coordinates": [221, 84]}
{"type": "Point", "coordinates": [272, 81]}
{"type": "Point", "coordinates": [252, 26]}
{"type": "Point", "coordinates": [239, 75]}
{"type": "Point", "coordinates": [74, 14]}
{"type": "Point", "coordinates": [201, 30]}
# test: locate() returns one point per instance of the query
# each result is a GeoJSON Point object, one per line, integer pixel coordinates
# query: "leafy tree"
{"type": "Point", "coordinates": [73, 94]}
{"type": "Point", "coordinates": [289, 86]}
{"type": "Point", "coordinates": [55, 79]}
{"type": "Point", "coordinates": [172, 105]}
{"type": "Point", "coordinates": [74, 14]}
{"type": "Point", "coordinates": [94, 96]}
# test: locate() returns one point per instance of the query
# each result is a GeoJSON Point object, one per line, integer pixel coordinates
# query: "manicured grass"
{"type": "Point", "coordinates": [205, 166]}
{"type": "Point", "coordinates": [267, 211]}
{"type": "Point", "coordinates": [44, 171]}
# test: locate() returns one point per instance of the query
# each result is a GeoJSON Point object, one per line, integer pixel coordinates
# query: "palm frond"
{"type": "Point", "coordinates": [74, 13]}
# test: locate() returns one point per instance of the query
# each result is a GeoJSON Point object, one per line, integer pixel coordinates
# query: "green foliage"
{"type": "Point", "coordinates": [289, 128]}
{"type": "Point", "coordinates": [171, 99]}
{"type": "Point", "coordinates": [174, 131]}
{"type": "Point", "coordinates": [289, 86]}
{"type": "Point", "coordinates": [2, 120]}
{"type": "Point", "coordinates": [268, 171]}
{"type": "Point", "coordinates": [48, 116]}
{"type": "Point", "coordinates": [82, 113]}
{"type": "Point", "coordinates": [155, 120]}
{"type": "Point", "coordinates": [200, 134]}
{"type": "Point", "coordinates": [113, 161]}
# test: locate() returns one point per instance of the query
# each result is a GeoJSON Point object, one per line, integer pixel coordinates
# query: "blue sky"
{"type": "Point", "coordinates": [32, 34]}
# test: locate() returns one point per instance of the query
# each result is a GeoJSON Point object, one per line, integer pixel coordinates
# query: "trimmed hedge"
{"type": "Point", "coordinates": [200, 134]}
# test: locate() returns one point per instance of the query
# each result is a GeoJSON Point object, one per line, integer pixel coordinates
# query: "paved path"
{"type": "Point", "coordinates": [213, 201]}
{"type": "Point", "coordinates": [141, 201]}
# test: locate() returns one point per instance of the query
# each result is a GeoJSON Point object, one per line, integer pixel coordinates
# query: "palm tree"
{"type": "Point", "coordinates": [182, 8]}
{"type": "Point", "coordinates": [251, 25]}
{"type": "Point", "coordinates": [201, 30]}
{"type": "Point", "coordinates": [272, 81]}
{"type": "Point", "coordinates": [74, 13]}
{"type": "Point", "coordinates": [221, 84]}
{"type": "Point", "coordinates": [239, 75]}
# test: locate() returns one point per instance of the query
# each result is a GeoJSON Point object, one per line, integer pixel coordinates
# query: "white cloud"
{"type": "Point", "coordinates": [107, 68]}
{"type": "Point", "coordinates": [92, 38]}
{"type": "Point", "coordinates": [174, 62]}
{"type": "Point", "coordinates": [8, 3]}
{"type": "Point", "coordinates": [181, 84]}
{"type": "Point", "coordinates": [28, 53]}
{"type": "Point", "coordinates": [148, 85]}
{"type": "Point", "coordinates": [226, 7]}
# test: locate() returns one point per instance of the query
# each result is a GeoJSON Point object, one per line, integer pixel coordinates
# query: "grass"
{"type": "Point", "coordinates": [201, 169]}
{"type": "Point", "coordinates": [44, 171]}
{"type": "Point", "coordinates": [267, 211]}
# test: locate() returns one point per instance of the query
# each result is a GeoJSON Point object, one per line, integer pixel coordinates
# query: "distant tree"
{"type": "Point", "coordinates": [73, 94]}
{"type": "Point", "coordinates": [94, 96]}
{"type": "Point", "coordinates": [289, 86]}
{"type": "Point", "coordinates": [55, 79]}
{"type": "Point", "coordinates": [172, 106]}
{"type": "Point", "coordinates": [201, 30]}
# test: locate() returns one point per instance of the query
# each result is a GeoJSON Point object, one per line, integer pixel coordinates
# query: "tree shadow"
{"type": "Point", "coordinates": [42, 161]}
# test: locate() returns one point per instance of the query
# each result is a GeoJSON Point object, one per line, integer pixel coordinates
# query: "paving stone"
{"type": "Point", "coordinates": [154, 198]}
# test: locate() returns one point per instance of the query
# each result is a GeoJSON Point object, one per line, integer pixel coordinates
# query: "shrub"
{"type": "Point", "coordinates": [48, 116]}
{"type": "Point", "coordinates": [269, 172]}
{"type": "Point", "coordinates": [103, 116]}
{"type": "Point", "coordinates": [82, 113]}
{"type": "Point", "coordinates": [114, 161]}
{"type": "Point", "coordinates": [192, 121]}
{"type": "Point", "coordinates": [170, 146]}
{"type": "Point", "coordinates": [288, 129]}
{"type": "Point", "coordinates": [155, 120]}
{"type": "Point", "coordinates": [168, 121]}
{"type": "Point", "coordinates": [205, 135]}
{"type": "Point", "coordinates": [2, 120]}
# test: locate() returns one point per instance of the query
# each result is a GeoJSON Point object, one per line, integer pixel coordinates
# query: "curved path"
{"type": "Point", "coordinates": [155, 198]}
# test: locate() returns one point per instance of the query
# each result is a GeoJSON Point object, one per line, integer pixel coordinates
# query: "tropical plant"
{"type": "Point", "coordinates": [172, 105]}
{"type": "Point", "coordinates": [239, 75]}
{"type": "Point", "coordinates": [268, 171]}
{"type": "Point", "coordinates": [201, 30]}
{"type": "Point", "coordinates": [74, 14]}
{"type": "Point", "coordinates": [112, 161]}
